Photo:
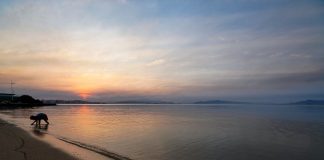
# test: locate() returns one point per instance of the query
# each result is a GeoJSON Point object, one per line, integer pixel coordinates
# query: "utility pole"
{"type": "Point", "coordinates": [12, 90]}
{"type": "Point", "coordinates": [11, 87]}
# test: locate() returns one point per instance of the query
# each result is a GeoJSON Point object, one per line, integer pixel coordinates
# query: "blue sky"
{"type": "Point", "coordinates": [179, 50]}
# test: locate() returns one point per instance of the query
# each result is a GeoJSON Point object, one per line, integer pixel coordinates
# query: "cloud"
{"type": "Point", "coordinates": [201, 49]}
{"type": "Point", "coordinates": [156, 62]}
{"type": "Point", "coordinates": [296, 79]}
{"type": "Point", "coordinates": [123, 1]}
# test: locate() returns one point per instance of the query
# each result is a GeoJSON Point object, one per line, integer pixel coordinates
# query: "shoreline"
{"type": "Point", "coordinates": [24, 105]}
{"type": "Point", "coordinates": [18, 144]}
{"type": "Point", "coordinates": [41, 144]}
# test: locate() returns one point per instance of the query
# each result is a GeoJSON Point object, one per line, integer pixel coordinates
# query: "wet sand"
{"type": "Point", "coordinates": [17, 144]}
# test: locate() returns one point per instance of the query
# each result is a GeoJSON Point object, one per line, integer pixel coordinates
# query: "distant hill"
{"type": "Point", "coordinates": [219, 102]}
{"type": "Point", "coordinates": [142, 102]}
{"type": "Point", "coordinates": [117, 102]}
{"type": "Point", "coordinates": [71, 102]}
{"type": "Point", "coordinates": [309, 102]}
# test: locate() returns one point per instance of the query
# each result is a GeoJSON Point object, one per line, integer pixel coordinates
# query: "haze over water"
{"type": "Point", "coordinates": [190, 132]}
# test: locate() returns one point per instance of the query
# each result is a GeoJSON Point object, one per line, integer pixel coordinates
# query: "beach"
{"type": "Point", "coordinates": [17, 144]}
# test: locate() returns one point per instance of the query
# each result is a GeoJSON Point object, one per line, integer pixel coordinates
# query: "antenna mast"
{"type": "Point", "coordinates": [11, 87]}
{"type": "Point", "coordinates": [12, 90]}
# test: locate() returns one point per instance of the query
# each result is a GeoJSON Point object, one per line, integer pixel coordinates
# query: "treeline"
{"type": "Point", "coordinates": [27, 99]}
{"type": "Point", "coordinates": [21, 102]}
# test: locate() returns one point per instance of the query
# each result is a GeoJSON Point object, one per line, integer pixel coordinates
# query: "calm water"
{"type": "Point", "coordinates": [190, 132]}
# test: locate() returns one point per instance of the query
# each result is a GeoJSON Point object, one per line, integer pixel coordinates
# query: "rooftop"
{"type": "Point", "coordinates": [6, 94]}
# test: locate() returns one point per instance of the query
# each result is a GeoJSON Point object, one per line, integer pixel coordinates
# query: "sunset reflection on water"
{"type": "Point", "coordinates": [190, 132]}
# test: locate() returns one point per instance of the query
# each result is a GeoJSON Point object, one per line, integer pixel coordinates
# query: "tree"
{"type": "Point", "coordinates": [28, 99]}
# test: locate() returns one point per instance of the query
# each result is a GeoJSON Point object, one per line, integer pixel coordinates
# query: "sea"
{"type": "Point", "coordinates": [182, 132]}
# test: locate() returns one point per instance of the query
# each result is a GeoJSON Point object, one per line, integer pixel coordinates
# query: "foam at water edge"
{"type": "Point", "coordinates": [95, 149]}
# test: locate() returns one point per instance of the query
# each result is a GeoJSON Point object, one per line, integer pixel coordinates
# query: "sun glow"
{"type": "Point", "coordinates": [84, 96]}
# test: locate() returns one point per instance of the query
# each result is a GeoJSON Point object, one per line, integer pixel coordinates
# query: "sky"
{"type": "Point", "coordinates": [170, 50]}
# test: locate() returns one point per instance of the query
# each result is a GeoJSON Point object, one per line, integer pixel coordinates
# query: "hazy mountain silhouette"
{"type": "Point", "coordinates": [219, 102]}
{"type": "Point", "coordinates": [309, 102]}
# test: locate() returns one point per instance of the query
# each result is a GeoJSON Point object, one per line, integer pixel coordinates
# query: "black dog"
{"type": "Point", "coordinates": [38, 118]}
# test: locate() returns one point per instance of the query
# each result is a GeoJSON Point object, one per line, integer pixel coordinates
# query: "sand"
{"type": "Point", "coordinates": [17, 144]}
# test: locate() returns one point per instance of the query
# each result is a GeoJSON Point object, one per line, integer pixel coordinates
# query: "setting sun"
{"type": "Point", "coordinates": [84, 96]}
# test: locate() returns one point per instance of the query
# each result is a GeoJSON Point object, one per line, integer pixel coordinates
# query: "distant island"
{"type": "Point", "coordinates": [143, 102]}
{"type": "Point", "coordinates": [114, 102]}
{"type": "Point", "coordinates": [309, 102]}
{"type": "Point", "coordinates": [70, 102]}
{"type": "Point", "coordinates": [219, 102]}
{"type": "Point", "coordinates": [304, 102]}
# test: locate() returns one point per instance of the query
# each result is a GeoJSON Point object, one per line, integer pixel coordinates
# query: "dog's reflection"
{"type": "Point", "coordinates": [40, 129]}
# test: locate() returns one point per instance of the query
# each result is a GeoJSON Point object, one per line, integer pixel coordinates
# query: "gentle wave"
{"type": "Point", "coordinates": [96, 149]}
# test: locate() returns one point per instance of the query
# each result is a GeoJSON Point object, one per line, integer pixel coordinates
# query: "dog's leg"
{"type": "Point", "coordinates": [33, 122]}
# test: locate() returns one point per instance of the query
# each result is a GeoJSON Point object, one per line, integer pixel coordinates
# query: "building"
{"type": "Point", "coordinates": [6, 97]}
